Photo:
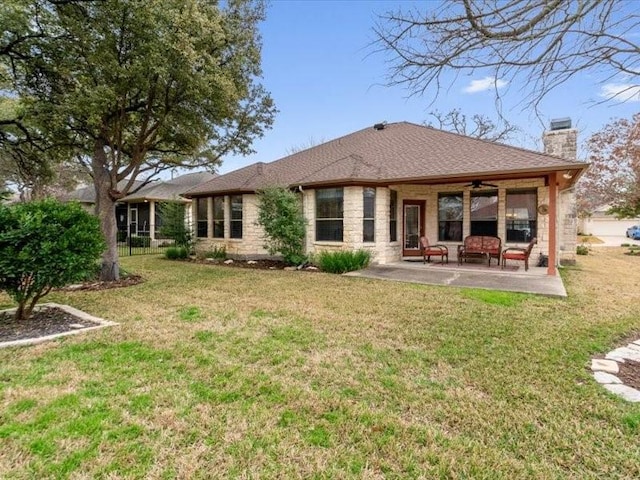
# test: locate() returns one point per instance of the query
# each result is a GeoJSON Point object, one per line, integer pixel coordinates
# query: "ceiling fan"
{"type": "Point", "coordinates": [480, 183]}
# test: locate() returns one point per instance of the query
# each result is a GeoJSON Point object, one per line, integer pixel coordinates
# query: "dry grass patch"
{"type": "Point", "coordinates": [230, 373]}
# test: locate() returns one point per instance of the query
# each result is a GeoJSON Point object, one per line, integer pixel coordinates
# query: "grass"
{"type": "Point", "coordinates": [231, 373]}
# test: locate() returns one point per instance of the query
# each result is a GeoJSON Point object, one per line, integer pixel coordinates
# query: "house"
{"type": "Point", "coordinates": [134, 212]}
{"type": "Point", "coordinates": [602, 224]}
{"type": "Point", "coordinates": [144, 206]}
{"type": "Point", "coordinates": [383, 187]}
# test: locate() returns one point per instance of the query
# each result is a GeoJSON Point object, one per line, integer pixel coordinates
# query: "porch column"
{"type": "Point", "coordinates": [209, 217]}
{"type": "Point", "coordinates": [553, 220]}
{"type": "Point", "coordinates": [152, 220]}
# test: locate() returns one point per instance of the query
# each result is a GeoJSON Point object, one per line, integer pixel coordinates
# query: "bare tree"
{"type": "Point", "coordinates": [544, 42]}
{"type": "Point", "coordinates": [614, 175]}
{"type": "Point", "coordinates": [478, 126]}
{"type": "Point", "coordinates": [309, 143]}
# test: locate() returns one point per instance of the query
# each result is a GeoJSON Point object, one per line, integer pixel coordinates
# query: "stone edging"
{"type": "Point", "coordinates": [102, 323]}
{"type": "Point", "coordinates": [604, 370]}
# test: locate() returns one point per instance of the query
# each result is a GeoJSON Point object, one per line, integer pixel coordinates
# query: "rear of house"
{"type": "Point", "coordinates": [382, 188]}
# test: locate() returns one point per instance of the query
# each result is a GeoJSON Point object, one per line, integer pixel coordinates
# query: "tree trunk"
{"type": "Point", "coordinates": [106, 213]}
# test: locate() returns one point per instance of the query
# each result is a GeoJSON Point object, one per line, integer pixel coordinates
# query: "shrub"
{"type": "Point", "coordinates": [173, 224]}
{"type": "Point", "coordinates": [280, 216]}
{"type": "Point", "coordinates": [140, 242]}
{"type": "Point", "coordinates": [45, 245]}
{"type": "Point", "coordinates": [343, 261]}
{"type": "Point", "coordinates": [219, 253]}
{"type": "Point", "coordinates": [176, 253]}
{"type": "Point", "coordinates": [582, 250]}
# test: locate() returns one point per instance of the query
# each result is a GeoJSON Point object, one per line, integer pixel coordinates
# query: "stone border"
{"type": "Point", "coordinates": [102, 323]}
{"type": "Point", "coordinates": [604, 370]}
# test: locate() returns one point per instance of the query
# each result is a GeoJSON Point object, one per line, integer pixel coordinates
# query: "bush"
{"type": "Point", "coordinates": [343, 261]}
{"type": "Point", "coordinates": [176, 253]}
{"type": "Point", "coordinates": [582, 250]}
{"type": "Point", "coordinates": [45, 245]}
{"type": "Point", "coordinates": [280, 216]}
{"type": "Point", "coordinates": [219, 253]}
{"type": "Point", "coordinates": [174, 226]}
{"type": "Point", "coordinates": [140, 242]}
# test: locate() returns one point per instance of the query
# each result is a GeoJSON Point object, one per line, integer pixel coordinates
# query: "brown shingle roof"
{"type": "Point", "coordinates": [400, 152]}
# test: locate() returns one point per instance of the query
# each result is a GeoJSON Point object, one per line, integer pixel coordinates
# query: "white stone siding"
{"type": "Point", "coordinates": [383, 251]}
{"type": "Point", "coordinates": [567, 227]}
{"type": "Point", "coordinates": [252, 242]}
{"type": "Point", "coordinates": [429, 193]}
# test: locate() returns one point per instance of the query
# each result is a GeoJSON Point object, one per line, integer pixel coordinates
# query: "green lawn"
{"type": "Point", "coordinates": [217, 372]}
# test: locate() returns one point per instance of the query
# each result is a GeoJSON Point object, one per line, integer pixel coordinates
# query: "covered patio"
{"type": "Point", "coordinates": [471, 275]}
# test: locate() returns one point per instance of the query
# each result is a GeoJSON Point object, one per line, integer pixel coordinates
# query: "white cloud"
{"type": "Point", "coordinates": [486, 83]}
{"type": "Point", "coordinates": [624, 92]}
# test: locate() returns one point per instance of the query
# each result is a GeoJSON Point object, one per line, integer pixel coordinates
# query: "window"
{"type": "Point", "coordinates": [218, 217]}
{"type": "Point", "coordinates": [329, 214]}
{"type": "Point", "coordinates": [369, 213]}
{"type": "Point", "coordinates": [450, 217]}
{"type": "Point", "coordinates": [236, 216]}
{"type": "Point", "coordinates": [484, 213]}
{"type": "Point", "coordinates": [521, 217]}
{"type": "Point", "coordinates": [202, 209]}
{"type": "Point", "coordinates": [393, 216]}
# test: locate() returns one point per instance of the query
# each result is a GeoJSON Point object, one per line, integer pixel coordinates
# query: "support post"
{"type": "Point", "coordinates": [553, 221]}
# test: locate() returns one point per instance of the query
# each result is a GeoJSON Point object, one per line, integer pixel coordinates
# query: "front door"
{"type": "Point", "coordinates": [413, 227]}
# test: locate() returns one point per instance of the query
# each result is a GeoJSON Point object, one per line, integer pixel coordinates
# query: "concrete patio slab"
{"type": "Point", "coordinates": [534, 281]}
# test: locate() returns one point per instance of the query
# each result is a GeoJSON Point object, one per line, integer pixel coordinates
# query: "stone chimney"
{"type": "Point", "coordinates": [561, 140]}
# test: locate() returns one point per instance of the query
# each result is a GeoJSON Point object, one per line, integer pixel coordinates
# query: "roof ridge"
{"type": "Point", "coordinates": [491, 142]}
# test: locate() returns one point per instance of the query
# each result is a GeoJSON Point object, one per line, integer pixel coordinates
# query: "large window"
{"type": "Point", "coordinates": [521, 217]}
{"type": "Point", "coordinates": [393, 216]}
{"type": "Point", "coordinates": [201, 209]}
{"type": "Point", "coordinates": [236, 216]}
{"type": "Point", "coordinates": [450, 217]}
{"type": "Point", "coordinates": [218, 217]}
{"type": "Point", "coordinates": [329, 214]}
{"type": "Point", "coordinates": [369, 213]}
{"type": "Point", "coordinates": [484, 213]}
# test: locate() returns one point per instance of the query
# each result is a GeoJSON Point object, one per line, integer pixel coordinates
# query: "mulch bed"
{"type": "Point", "coordinates": [43, 322]}
{"type": "Point", "coordinates": [629, 373]}
{"type": "Point", "coordinates": [253, 264]}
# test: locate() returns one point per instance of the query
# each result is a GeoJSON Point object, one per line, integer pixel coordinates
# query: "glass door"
{"type": "Point", "coordinates": [413, 227]}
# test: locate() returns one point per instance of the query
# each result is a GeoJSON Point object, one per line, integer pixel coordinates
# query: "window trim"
{"type": "Point", "coordinates": [372, 218]}
{"type": "Point", "coordinates": [533, 232]}
{"type": "Point", "coordinates": [442, 195]}
{"type": "Point", "coordinates": [202, 222]}
{"type": "Point", "coordinates": [320, 219]}
{"type": "Point", "coordinates": [236, 221]}
{"type": "Point", "coordinates": [218, 220]}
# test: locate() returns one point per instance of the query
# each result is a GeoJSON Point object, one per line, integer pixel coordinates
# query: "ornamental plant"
{"type": "Point", "coordinates": [280, 216]}
{"type": "Point", "coordinates": [45, 245]}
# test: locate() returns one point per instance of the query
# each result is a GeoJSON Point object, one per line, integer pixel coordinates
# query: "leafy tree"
{"type": "Point", "coordinates": [174, 225]}
{"type": "Point", "coordinates": [45, 245]}
{"type": "Point", "coordinates": [135, 88]}
{"type": "Point", "coordinates": [478, 126]}
{"type": "Point", "coordinates": [280, 216]}
{"type": "Point", "coordinates": [614, 175]}
{"type": "Point", "coordinates": [543, 42]}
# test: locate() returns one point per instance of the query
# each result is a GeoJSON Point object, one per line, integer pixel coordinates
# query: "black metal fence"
{"type": "Point", "coordinates": [141, 240]}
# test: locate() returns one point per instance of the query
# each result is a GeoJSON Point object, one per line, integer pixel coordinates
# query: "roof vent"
{"type": "Point", "coordinates": [380, 126]}
{"type": "Point", "coordinates": [561, 123]}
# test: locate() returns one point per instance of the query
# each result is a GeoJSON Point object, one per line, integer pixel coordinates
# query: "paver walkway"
{"type": "Point", "coordinates": [604, 370]}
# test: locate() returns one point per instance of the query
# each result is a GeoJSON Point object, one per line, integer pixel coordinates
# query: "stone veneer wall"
{"type": "Point", "coordinates": [251, 245]}
{"type": "Point", "coordinates": [430, 195]}
{"type": "Point", "coordinates": [383, 251]}
{"type": "Point", "coordinates": [563, 143]}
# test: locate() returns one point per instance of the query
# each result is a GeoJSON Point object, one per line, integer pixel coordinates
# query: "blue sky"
{"type": "Point", "coordinates": [327, 81]}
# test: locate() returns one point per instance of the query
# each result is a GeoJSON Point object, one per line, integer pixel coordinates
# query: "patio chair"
{"type": "Point", "coordinates": [436, 250]}
{"type": "Point", "coordinates": [522, 254]}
